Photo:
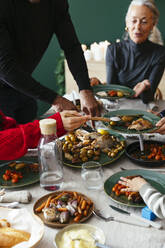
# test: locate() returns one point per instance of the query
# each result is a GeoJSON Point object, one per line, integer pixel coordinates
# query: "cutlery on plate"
{"type": "Point", "coordinates": [107, 219]}
{"type": "Point", "coordinates": [149, 222]}
{"type": "Point", "coordinates": [149, 169]}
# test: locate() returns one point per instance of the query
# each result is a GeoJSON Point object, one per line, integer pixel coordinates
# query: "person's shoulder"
{"type": "Point", "coordinates": [4, 5]}
{"type": "Point", "coordinates": [157, 47]}
{"type": "Point", "coordinates": [118, 45]}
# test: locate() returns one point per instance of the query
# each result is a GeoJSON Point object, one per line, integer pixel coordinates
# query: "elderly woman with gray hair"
{"type": "Point", "coordinates": [137, 62]}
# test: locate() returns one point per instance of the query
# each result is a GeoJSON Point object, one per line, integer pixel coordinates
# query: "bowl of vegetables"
{"type": "Point", "coordinates": [154, 153]}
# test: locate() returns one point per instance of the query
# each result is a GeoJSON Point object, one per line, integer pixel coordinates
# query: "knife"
{"type": "Point", "coordinates": [156, 170]}
{"type": "Point", "coordinates": [150, 222]}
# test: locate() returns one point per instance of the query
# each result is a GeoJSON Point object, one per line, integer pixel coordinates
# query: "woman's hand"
{"type": "Point", "coordinates": [72, 120]}
{"type": "Point", "coordinates": [140, 87]}
{"type": "Point", "coordinates": [134, 184]}
{"type": "Point", "coordinates": [161, 125]}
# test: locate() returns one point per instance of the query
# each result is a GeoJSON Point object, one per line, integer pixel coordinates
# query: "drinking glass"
{"type": "Point", "coordinates": [112, 105]}
{"type": "Point", "coordinates": [92, 175]}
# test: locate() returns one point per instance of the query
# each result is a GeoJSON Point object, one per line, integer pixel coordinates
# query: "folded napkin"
{"type": "Point", "coordinates": [23, 196]}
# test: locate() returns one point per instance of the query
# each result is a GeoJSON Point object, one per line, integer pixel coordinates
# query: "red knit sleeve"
{"type": "Point", "coordinates": [14, 142]}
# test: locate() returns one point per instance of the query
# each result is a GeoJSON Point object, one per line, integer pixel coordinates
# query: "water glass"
{"type": "Point", "coordinates": [92, 175]}
{"type": "Point", "coordinates": [112, 105]}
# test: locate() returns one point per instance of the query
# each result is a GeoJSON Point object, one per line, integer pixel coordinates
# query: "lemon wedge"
{"type": "Point", "coordinates": [102, 131]}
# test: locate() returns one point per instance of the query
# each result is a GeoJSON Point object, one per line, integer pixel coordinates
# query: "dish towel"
{"type": "Point", "coordinates": [23, 196]}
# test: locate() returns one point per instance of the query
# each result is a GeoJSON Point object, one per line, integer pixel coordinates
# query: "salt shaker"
{"type": "Point", "coordinates": [50, 156]}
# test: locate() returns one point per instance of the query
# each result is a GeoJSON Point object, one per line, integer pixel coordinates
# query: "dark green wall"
{"type": "Point", "coordinates": [94, 20]}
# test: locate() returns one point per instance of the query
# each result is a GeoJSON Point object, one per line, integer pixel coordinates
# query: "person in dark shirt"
{"type": "Point", "coordinates": [137, 62]}
{"type": "Point", "coordinates": [26, 28]}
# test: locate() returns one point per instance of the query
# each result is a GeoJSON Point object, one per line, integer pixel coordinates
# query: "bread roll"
{"type": "Point", "coordinates": [10, 237]}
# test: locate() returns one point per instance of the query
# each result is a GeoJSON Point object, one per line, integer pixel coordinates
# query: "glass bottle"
{"type": "Point", "coordinates": [50, 156]}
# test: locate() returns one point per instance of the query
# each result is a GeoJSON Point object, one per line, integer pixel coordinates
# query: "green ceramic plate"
{"type": "Point", "coordinates": [29, 176]}
{"type": "Point", "coordinates": [157, 180]}
{"type": "Point", "coordinates": [128, 92]}
{"type": "Point", "coordinates": [133, 112]}
{"type": "Point", "coordinates": [104, 159]}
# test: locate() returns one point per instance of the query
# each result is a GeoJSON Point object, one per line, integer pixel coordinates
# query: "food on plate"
{"type": "Point", "coordinates": [140, 124]}
{"type": "Point", "coordinates": [152, 152]}
{"type": "Point", "coordinates": [77, 239]}
{"type": "Point", "coordinates": [102, 131]}
{"type": "Point", "coordinates": [10, 236]}
{"type": "Point", "coordinates": [102, 93]}
{"type": "Point", "coordinates": [132, 122]}
{"type": "Point", "coordinates": [131, 196]}
{"type": "Point", "coordinates": [126, 118]}
{"type": "Point", "coordinates": [14, 176]}
{"type": "Point", "coordinates": [113, 93]}
{"type": "Point", "coordinates": [65, 207]}
{"type": "Point", "coordinates": [81, 146]}
{"type": "Point", "coordinates": [19, 165]}
{"type": "Point", "coordinates": [14, 171]}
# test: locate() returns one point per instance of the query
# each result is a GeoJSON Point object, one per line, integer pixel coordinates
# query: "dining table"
{"type": "Point", "coordinates": [118, 235]}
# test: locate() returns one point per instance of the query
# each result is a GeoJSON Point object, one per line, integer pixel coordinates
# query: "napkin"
{"type": "Point", "coordinates": [23, 196]}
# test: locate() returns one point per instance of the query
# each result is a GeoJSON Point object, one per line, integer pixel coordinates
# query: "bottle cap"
{"type": "Point", "coordinates": [48, 126]}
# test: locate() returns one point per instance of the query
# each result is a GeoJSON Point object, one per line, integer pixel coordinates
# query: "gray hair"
{"type": "Point", "coordinates": [148, 3]}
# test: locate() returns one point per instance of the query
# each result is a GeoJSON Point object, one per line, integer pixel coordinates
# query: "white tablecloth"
{"type": "Point", "coordinates": [117, 235]}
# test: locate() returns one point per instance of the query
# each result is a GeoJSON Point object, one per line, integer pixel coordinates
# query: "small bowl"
{"type": "Point", "coordinates": [97, 232]}
{"type": "Point", "coordinates": [135, 146]}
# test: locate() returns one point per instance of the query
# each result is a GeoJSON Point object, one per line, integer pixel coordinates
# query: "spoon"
{"type": "Point", "coordinates": [141, 143]}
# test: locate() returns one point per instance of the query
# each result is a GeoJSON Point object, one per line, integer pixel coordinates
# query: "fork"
{"type": "Point", "coordinates": [111, 218]}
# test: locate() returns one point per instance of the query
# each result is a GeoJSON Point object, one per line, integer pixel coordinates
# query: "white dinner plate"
{"type": "Point", "coordinates": [22, 219]}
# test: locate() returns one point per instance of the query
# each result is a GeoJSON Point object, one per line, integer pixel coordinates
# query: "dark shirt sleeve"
{"type": "Point", "coordinates": [11, 72]}
{"type": "Point", "coordinates": [154, 78]}
{"type": "Point", "coordinates": [110, 68]}
{"type": "Point", "coordinates": [68, 41]}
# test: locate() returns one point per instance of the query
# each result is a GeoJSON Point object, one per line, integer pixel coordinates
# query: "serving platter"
{"type": "Point", "coordinates": [57, 224]}
{"type": "Point", "coordinates": [127, 92]}
{"type": "Point", "coordinates": [153, 119]}
{"type": "Point", "coordinates": [29, 176]}
{"type": "Point", "coordinates": [104, 159]}
{"type": "Point", "coordinates": [157, 180]}
{"type": "Point", "coordinates": [132, 151]}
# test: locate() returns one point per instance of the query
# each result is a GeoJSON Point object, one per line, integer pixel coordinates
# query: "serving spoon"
{"type": "Point", "coordinates": [141, 143]}
{"type": "Point", "coordinates": [95, 240]}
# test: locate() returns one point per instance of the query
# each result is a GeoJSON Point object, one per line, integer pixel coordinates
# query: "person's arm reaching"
{"type": "Point", "coordinates": [154, 79]}
{"type": "Point", "coordinates": [16, 139]}
{"type": "Point", "coordinates": [11, 72]}
{"type": "Point", "coordinates": [153, 199]}
{"type": "Point", "coordinates": [69, 42]}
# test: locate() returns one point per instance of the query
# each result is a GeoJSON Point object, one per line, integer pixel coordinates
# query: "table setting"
{"type": "Point", "coordinates": [91, 183]}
